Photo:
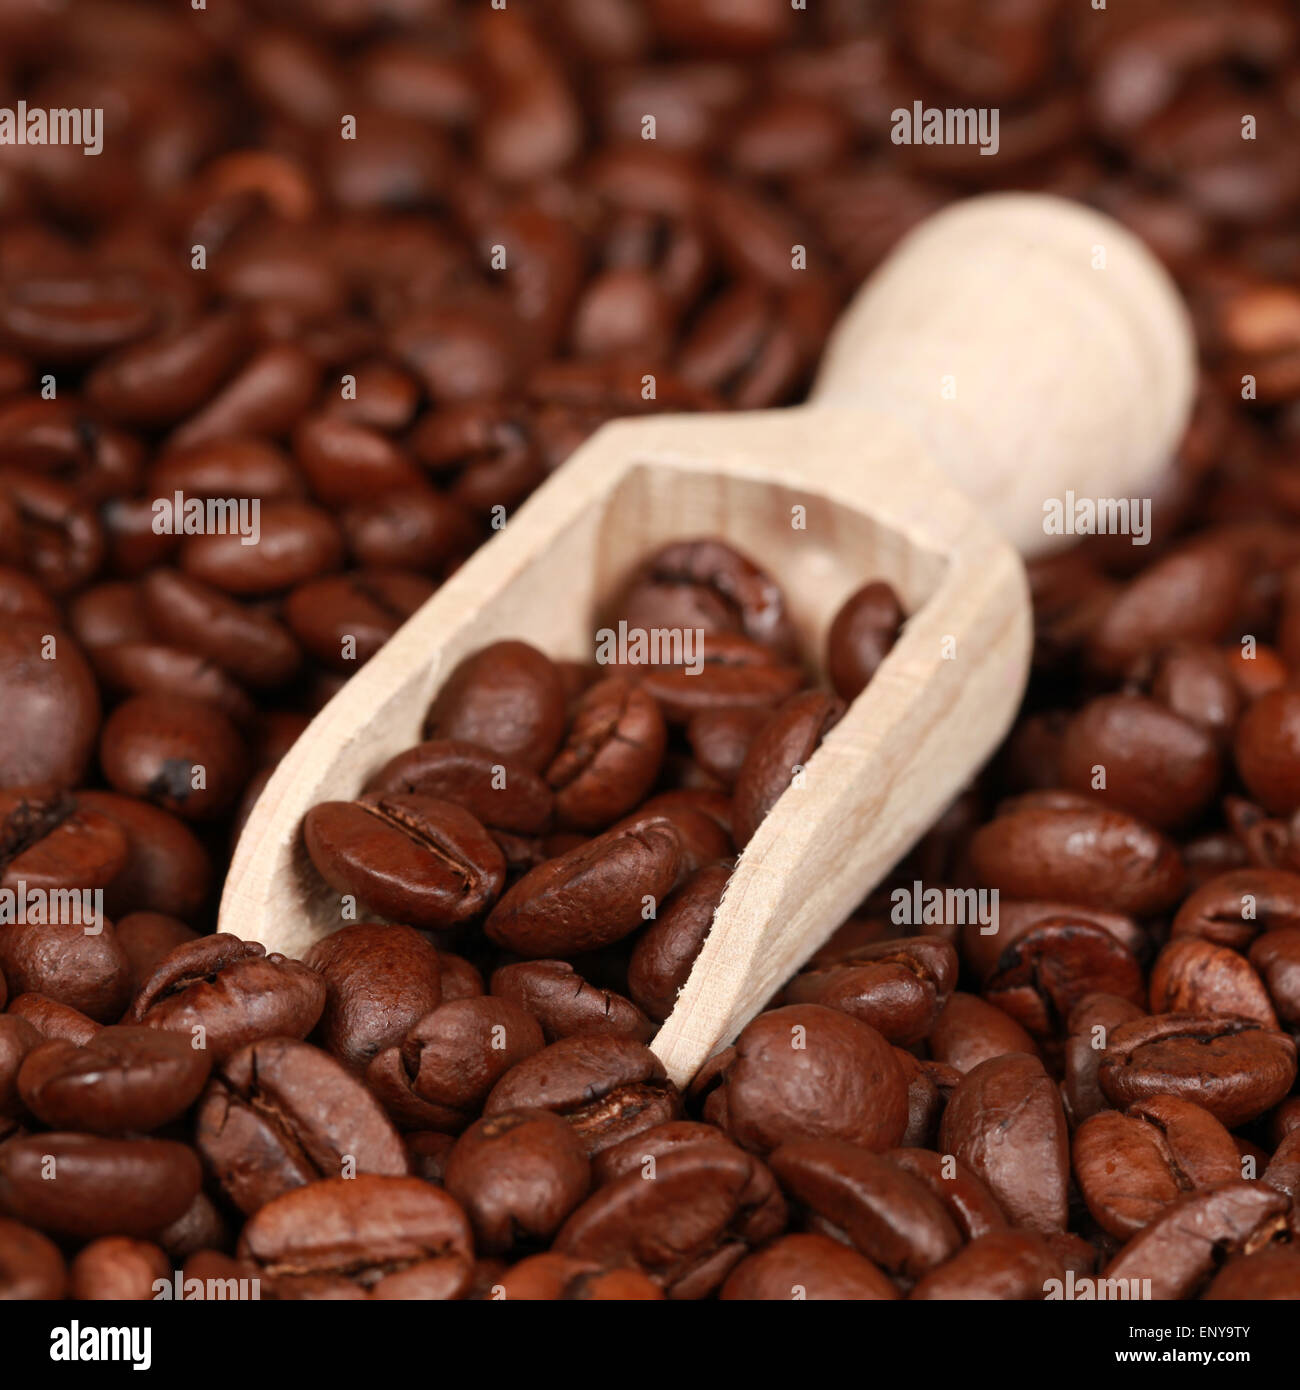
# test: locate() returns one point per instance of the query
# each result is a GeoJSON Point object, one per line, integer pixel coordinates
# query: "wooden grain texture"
{"type": "Point", "coordinates": [826, 497]}
{"type": "Point", "coordinates": [1033, 345]}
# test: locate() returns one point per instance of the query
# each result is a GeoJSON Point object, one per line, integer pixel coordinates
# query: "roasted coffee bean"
{"type": "Point", "coordinates": [282, 1114]}
{"type": "Point", "coordinates": [1014, 1266]}
{"type": "Point", "coordinates": [297, 542]}
{"type": "Point", "coordinates": [706, 584]}
{"type": "Point", "coordinates": [1276, 955]}
{"type": "Point", "coordinates": [720, 740]}
{"type": "Point", "coordinates": [31, 1266]}
{"type": "Point", "coordinates": [441, 1074]}
{"type": "Point", "coordinates": [608, 1088]}
{"type": "Point", "coordinates": [896, 986]}
{"type": "Point", "coordinates": [1131, 1167]}
{"type": "Point", "coordinates": [229, 993]}
{"type": "Point", "coordinates": [167, 869]}
{"type": "Point", "coordinates": [377, 982]}
{"type": "Point", "coordinates": [553, 1277]}
{"type": "Point", "coordinates": [252, 646]}
{"type": "Point", "coordinates": [507, 698]}
{"type": "Point", "coordinates": [1270, 1273]}
{"type": "Point", "coordinates": [1192, 976]}
{"type": "Point", "coordinates": [518, 1175]}
{"type": "Point", "coordinates": [119, 1269]}
{"type": "Point", "coordinates": [185, 755]}
{"type": "Point", "coordinates": [343, 619]}
{"type": "Point", "coordinates": [1174, 1255]}
{"type": "Point", "coordinates": [1076, 853]}
{"type": "Point", "coordinates": [664, 953]}
{"type": "Point", "coordinates": [564, 1003]}
{"type": "Point", "coordinates": [147, 937]}
{"type": "Point", "coordinates": [1141, 758]}
{"type": "Point", "coordinates": [861, 634]}
{"type": "Point", "coordinates": [969, 1031]}
{"type": "Point", "coordinates": [889, 1215]}
{"type": "Point", "coordinates": [1047, 970]}
{"type": "Point", "coordinates": [123, 1080]}
{"type": "Point", "coordinates": [1006, 1122]}
{"type": "Point", "coordinates": [611, 756]}
{"type": "Point", "coordinates": [79, 964]}
{"type": "Point", "coordinates": [810, 1267]}
{"type": "Point", "coordinates": [1189, 595]}
{"type": "Point", "coordinates": [48, 841]}
{"type": "Point", "coordinates": [808, 1072]}
{"type": "Point", "coordinates": [706, 1208]}
{"type": "Point", "coordinates": [778, 754]}
{"type": "Point", "coordinates": [1088, 1030]}
{"type": "Point", "coordinates": [53, 706]}
{"type": "Point", "coordinates": [412, 858]}
{"type": "Point", "coordinates": [51, 1019]}
{"type": "Point", "coordinates": [589, 897]}
{"type": "Point", "coordinates": [1234, 1068]}
{"type": "Point", "coordinates": [735, 672]}
{"type": "Point", "coordinates": [17, 1038]}
{"type": "Point", "coordinates": [370, 1236]}
{"type": "Point", "coordinates": [501, 795]}
{"type": "Point", "coordinates": [1267, 751]}
{"type": "Point", "coordinates": [99, 1186]}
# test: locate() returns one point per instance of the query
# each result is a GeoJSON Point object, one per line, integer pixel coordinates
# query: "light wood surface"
{"type": "Point", "coordinates": [873, 505]}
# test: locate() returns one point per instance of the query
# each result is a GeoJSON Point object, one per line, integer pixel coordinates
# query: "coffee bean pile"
{"type": "Point", "coordinates": [378, 267]}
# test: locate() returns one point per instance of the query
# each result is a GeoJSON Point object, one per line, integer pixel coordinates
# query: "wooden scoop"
{"type": "Point", "coordinates": [1013, 348]}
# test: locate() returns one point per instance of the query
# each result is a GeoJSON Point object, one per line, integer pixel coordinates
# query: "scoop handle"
{"type": "Point", "coordinates": [1033, 345]}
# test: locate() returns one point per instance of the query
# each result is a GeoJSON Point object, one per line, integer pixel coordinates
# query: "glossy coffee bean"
{"type": "Point", "coordinates": [518, 1175]}
{"type": "Point", "coordinates": [706, 1208]}
{"type": "Point", "coordinates": [565, 1004]}
{"type": "Point", "coordinates": [611, 756]}
{"type": "Point", "coordinates": [507, 698]}
{"type": "Point", "coordinates": [812, 1267]}
{"type": "Point", "coordinates": [99, 1186]}
{"type": "Point", "coordinates": [448, 1062]}
{"type": "Point", "coordinates": [1156, 765]}
{"type": "Point", "coordinates": [370, 1236]}
{"type": "Point", "coordinates": [228, 993]}
{"type": "Point", "coordinates": [1079, 854]}
{"type": "Point", "coordinates": [664, 953]}
{"type": "Point", "coordinates": [809, 1072]}
{"type": "Point", "coordinates": [412, 858]}
{"type": "Point", "coordinates": [1234, 1068]}
{"type": "Point", "coordinates": [1005, 1120]}
{"type": "Point", "coordinates": [49, 690]}
{"type": "Point", "coordinates": [300, 1113]}
{"type": "Point", "coordinates": [31, 1267]}
{"type": "Point", "coordinates": [184, 755]}
{"type": "Point", "coordinates": [377, 982]}
{"type": "Point", "coordinates": [119, 1269]}
{"type": "Point", "coordinates": [123, 1080]}
{"type": "Point", "coordinates": [861, 634]}
{"type": "Point", "coordinates": [501, 795]}
{"type": "Point", "coordinates": [589, 897]}
{"type": "Point", "coordinates": [607, 1088]}
{"type": "Point", "coordinates": [778, 755]}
